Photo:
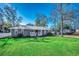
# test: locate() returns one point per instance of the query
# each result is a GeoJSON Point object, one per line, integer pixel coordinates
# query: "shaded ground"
{"type": "Point", "coordinates": [40, 46]}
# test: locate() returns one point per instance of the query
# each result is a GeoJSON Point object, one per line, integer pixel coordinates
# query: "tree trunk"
{"type": "Point", "coordinates": [61, 19]}
{"type": "Point", "coordinates": [62, 27]}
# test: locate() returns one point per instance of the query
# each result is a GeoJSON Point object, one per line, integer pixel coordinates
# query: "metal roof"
{"type": "Point", "coordinates": [30, 28]}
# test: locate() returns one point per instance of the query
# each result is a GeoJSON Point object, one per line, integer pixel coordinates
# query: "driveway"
{"type": "Point", "coordinates": [72, 36]}
{"type": "Point", "coordinates": [2, 35]}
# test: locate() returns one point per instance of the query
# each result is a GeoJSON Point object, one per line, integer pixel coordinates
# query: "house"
{"type": "Point", "coordinates": [76, 32]}
{"type": "Point", "coordinates": [68, 31]}
{"type": "Point", "coordinates": [28, 31]}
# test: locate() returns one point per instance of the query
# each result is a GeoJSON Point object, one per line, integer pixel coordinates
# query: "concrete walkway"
{"type": "Point", "coordinates": [2, 35]}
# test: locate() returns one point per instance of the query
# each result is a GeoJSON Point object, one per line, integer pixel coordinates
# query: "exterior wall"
{"type": "Point", "coordinates": [44, 32]}
{"type": "Point", "coordinates": [40, 33]}
{"type": "Point", "coordinates": [77, 32]}
{"type": "Point", "coordinates": [32, 34]}
{"type": "Point", "coordinates": [14, 33]}
{"type": "Point", "coordinates": [24, 32]}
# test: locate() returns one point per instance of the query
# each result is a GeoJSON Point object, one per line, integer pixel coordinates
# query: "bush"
{"type": "Point", "coordinates": [50, 34]}
{"type": "Point", "coordinates": [20, 35]}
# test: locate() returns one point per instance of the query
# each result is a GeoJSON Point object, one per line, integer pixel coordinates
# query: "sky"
{"type": "Point", "coordinates": [29, 10]}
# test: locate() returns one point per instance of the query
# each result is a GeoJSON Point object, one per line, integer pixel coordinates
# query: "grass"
{"type": "Point", "coordinates": [41, 46]}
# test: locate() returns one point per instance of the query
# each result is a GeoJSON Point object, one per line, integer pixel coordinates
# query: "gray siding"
{"type": "Point", "coordinates": [24, 32]}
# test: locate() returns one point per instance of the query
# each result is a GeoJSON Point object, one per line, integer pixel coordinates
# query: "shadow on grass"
{"type": "Point", "coordinates": [32, 39]}
{"type": "Point", "coordinates": [10, 40]}
{"type": "Point", "coordinates": [6, 41]}
{"type": "Point", "coordinates": [4, 44]}
{"type": "Point", "coordinates": [39, 39]}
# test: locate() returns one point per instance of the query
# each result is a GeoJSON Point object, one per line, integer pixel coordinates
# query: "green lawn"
{"type": "Point", "coordinates": [41, 46]}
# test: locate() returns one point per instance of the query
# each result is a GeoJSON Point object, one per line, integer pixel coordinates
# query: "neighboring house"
{"type": "Point", "coordinates": [28, 31]}
{"type": "Point", "coordinates": [68, 31]}
{"type": "Point", "coordinates": [76, 32]}
{"type": "Point", "coordinates": [0, 26]}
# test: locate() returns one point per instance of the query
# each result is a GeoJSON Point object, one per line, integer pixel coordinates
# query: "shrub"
{"type": "Point", "coordinates": [50, 34]}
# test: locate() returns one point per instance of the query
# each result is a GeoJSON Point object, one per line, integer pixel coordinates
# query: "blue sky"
{"type": "Point", "coordinates": [29, 10]}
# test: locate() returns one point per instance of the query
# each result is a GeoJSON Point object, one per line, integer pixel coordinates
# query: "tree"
{"type": "Point", "coordinates": [37, 22]}
{"type": "Point", "coordinates": [1, 19]}
{"type": "Point", "coordinates": [41, 20]}
{"type": "Point", "coordinates": [69, 20]}
{"type": "Point", "coordinates": [19, 20]}
{"type": "Point", "coordinates": [67, 26]}
{"type": "Point", "coordinates": [62, 13]}
{"type": "Point", "coordinates": [30, 24]}
{"type": "Point", "coordinates": [7, 25]}
{"type": "Point", "coordinates": [72, 15]}
{"type": "Point", "coordinates": [53, 18]}
{"type": "Point", "coordinates": [11, 16]}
